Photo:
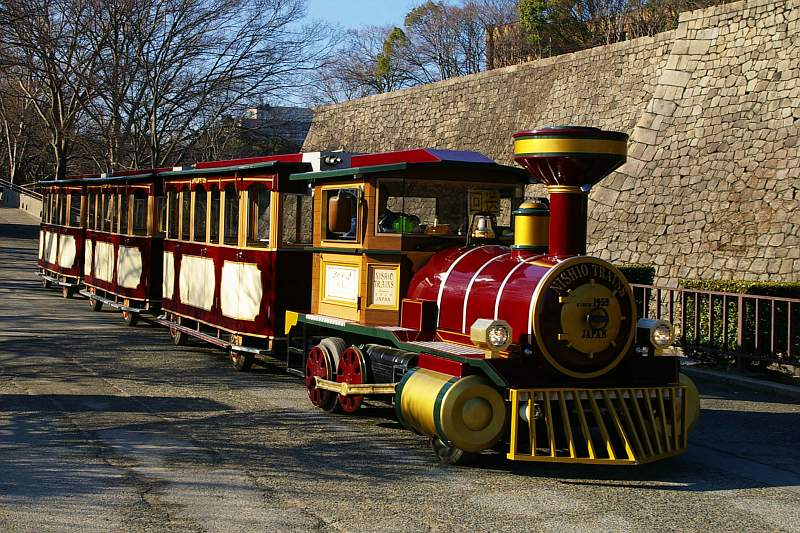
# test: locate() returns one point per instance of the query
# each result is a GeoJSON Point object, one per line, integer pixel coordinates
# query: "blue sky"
{"type": "Point", "coordinates": [355, 13]}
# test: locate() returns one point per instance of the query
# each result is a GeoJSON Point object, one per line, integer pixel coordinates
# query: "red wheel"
{"type": "Point", "coordinates": [130, 318]}
{"type": "Point", "coordinates": [352, 370]}
{"type": "Point", "coordinates": [178, 337]}
{"type": "Point", "coordinates": [322, 361]}
{"type": "Point", "coordinates": [94, 305]}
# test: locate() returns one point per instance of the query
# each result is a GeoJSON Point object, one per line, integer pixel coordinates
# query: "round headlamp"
{"type": "Point", "coordinates": [493, 336]}
{"type": "Point", "coordinates": [654, 334]}
{"type": "Point", "coordinates": [661, 336]}
{"type": "Point", "coordinates": [497, 335]}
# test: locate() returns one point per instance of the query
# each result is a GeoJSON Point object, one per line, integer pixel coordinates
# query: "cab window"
{"type": "Point", "coordinates": [258, 200]}
{"type": "Point", "coordinates": [427, 207]}
{"type": "Point", "coordinates": [231, 227]}
{"type": "Point", "coordinates": [341, 214]}
{"type": "Point", "coordinates": [296, 218]}
{"type": "Point", "coordinates": [200, 208]}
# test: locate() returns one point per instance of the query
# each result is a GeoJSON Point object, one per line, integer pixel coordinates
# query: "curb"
{"type": "Point", "coordinates": [750, 383]}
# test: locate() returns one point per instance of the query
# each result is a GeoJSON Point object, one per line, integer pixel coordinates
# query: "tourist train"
{"type": "Point", "coordinates": [421, 278]}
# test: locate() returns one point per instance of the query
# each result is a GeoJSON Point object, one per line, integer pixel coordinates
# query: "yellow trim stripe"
{"type": "Point", "coordinates": [583, 146]}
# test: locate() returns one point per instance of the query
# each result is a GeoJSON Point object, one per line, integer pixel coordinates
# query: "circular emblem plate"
{"type": "Point", "coordinates": [584, 317]}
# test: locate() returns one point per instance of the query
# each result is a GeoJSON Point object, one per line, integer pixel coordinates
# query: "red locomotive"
{"type": "Point", "coordinates": [433, 285]}
{"type": "Point", "coordinates": [421, 295]}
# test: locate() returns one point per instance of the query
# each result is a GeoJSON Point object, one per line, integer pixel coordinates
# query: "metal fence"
{"type": "Point", "coordinates": [22, 197]}
{"type": "Point", "coordinates": [745, 329]}
{"type": "Point", "coordinates": [20, 189]}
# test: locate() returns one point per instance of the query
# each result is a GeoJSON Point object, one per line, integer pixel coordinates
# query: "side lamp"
{"type": "Point", "coordinates": [492, 336]}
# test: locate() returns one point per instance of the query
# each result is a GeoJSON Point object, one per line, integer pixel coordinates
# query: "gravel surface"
{"type": "Point", "coordinates": [109, 428]}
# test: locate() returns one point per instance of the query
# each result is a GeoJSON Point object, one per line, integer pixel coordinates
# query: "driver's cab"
{"type": "Point", "coordinates": [377, 222]}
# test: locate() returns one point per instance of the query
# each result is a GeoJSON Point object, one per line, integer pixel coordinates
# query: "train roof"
{"type": "Point", "coordinates": [99, 179]}
{"type": "Point", "coordinates": [424, 162]}
{"type": "Point", "coordinates": [208, 168]}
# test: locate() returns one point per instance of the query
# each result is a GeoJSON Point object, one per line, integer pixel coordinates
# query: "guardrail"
{"type": "Point", "coordinates": [22, 197]}
{"type": "Point", "coordinates": [20, 189]}
{"type": "Point", "coordinates": [745, 329]}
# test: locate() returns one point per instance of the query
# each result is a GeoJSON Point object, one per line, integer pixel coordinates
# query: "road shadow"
{"type": "Point", "coordinates": [74, 403]}
{"type": "Point", "coordinates": [19, 231]}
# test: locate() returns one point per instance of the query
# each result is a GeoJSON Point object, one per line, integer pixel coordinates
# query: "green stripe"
{"type": "Point", "coordinates": [343, 172]}
{"type": "Point", "coordinates": [232, 168]}
{"type": "Point", "coordinates": [437, 409]}
{"type": "Point", "coordinates": [398, 393]}
{"type": "Point", "coordinates": [387, 337]}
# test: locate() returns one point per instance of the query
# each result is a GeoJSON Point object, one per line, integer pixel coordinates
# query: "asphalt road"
{"type": "Point", "coordinates": [110, 428]}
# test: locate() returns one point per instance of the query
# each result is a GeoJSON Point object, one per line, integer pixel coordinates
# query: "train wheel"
{"type": "Point", "coordinates": [94, 305]}
{"type": "Point", "coordinates": [353, 370]}
{"type": "Point", "coordinates": [131, 318]}
{"type": "Point", "coordinates": [67, 292]}
{"type": "Point", "coordinates": [449, 454]}
{"type": "Point", "coordinates": [178, 337]}
{"type": "Point", "coordinates": [242, 361]}
{"type": "Point", "coordinates": [46, 283]}
{"type": "Point", "coordinates": [322, 361]}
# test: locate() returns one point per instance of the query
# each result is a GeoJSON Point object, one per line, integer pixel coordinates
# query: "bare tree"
{"type": "Point", "coordinates": [16, 126]}
{"type": "Point", "coordinates": [52, 51]}
{"type": "Point", "coordinates": [203, 59]}
{"type": "Point", "coordinates": [369, 60]}
{"type": "Point", "coordinates": [446, 40]}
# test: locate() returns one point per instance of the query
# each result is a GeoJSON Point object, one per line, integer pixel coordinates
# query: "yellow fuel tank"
{"type": "Point", "coordinates": [468, 412]}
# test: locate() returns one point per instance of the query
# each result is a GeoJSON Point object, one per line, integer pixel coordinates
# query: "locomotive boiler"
{"type": "Point", "coordinates": [478, 314]}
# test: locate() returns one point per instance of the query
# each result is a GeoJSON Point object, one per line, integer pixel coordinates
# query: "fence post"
{"type": "Point", "coordinates": [739, 332]}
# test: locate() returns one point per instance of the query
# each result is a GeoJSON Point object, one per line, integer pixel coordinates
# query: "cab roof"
{"type": "Point", "coordinates": [421, 163]}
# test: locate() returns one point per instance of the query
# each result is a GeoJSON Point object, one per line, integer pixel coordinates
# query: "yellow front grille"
{"type": "Point", "coordinates": [607, 426]}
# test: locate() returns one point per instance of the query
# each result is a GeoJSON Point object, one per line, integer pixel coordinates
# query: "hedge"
{"type": "Point", "coordinates": [638, 274]}
{"type": "Point", "coordinates": [762, 288]}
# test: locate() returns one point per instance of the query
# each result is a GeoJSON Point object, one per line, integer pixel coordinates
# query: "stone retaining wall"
{"type": "Point", "coordinates": [712, 185]}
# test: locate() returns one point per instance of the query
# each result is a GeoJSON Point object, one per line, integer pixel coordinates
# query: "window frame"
{"type": "Point", "coordinates": [185, 233]}
{"type": "Point", "coordinates": [211, 223]}
{"type": "Point", "coordinates": [237, 210]}
{"type": "Point", "coordinates": [196, 195]}
{"type": "Point", "coordinates": [133, 230]}
{"type": "Point", "coordinates": [251, 239]}
{"type": "Point", "coordinates": [173, 223]}
{"type": "Point", "coordinates": [124, 214]}
{"type": "Point", "coordinates": [360, 198]}
{"type": "Point", "coordinates": [298, 220]}
{"type": "Point", "coordinates": [517, 197]}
